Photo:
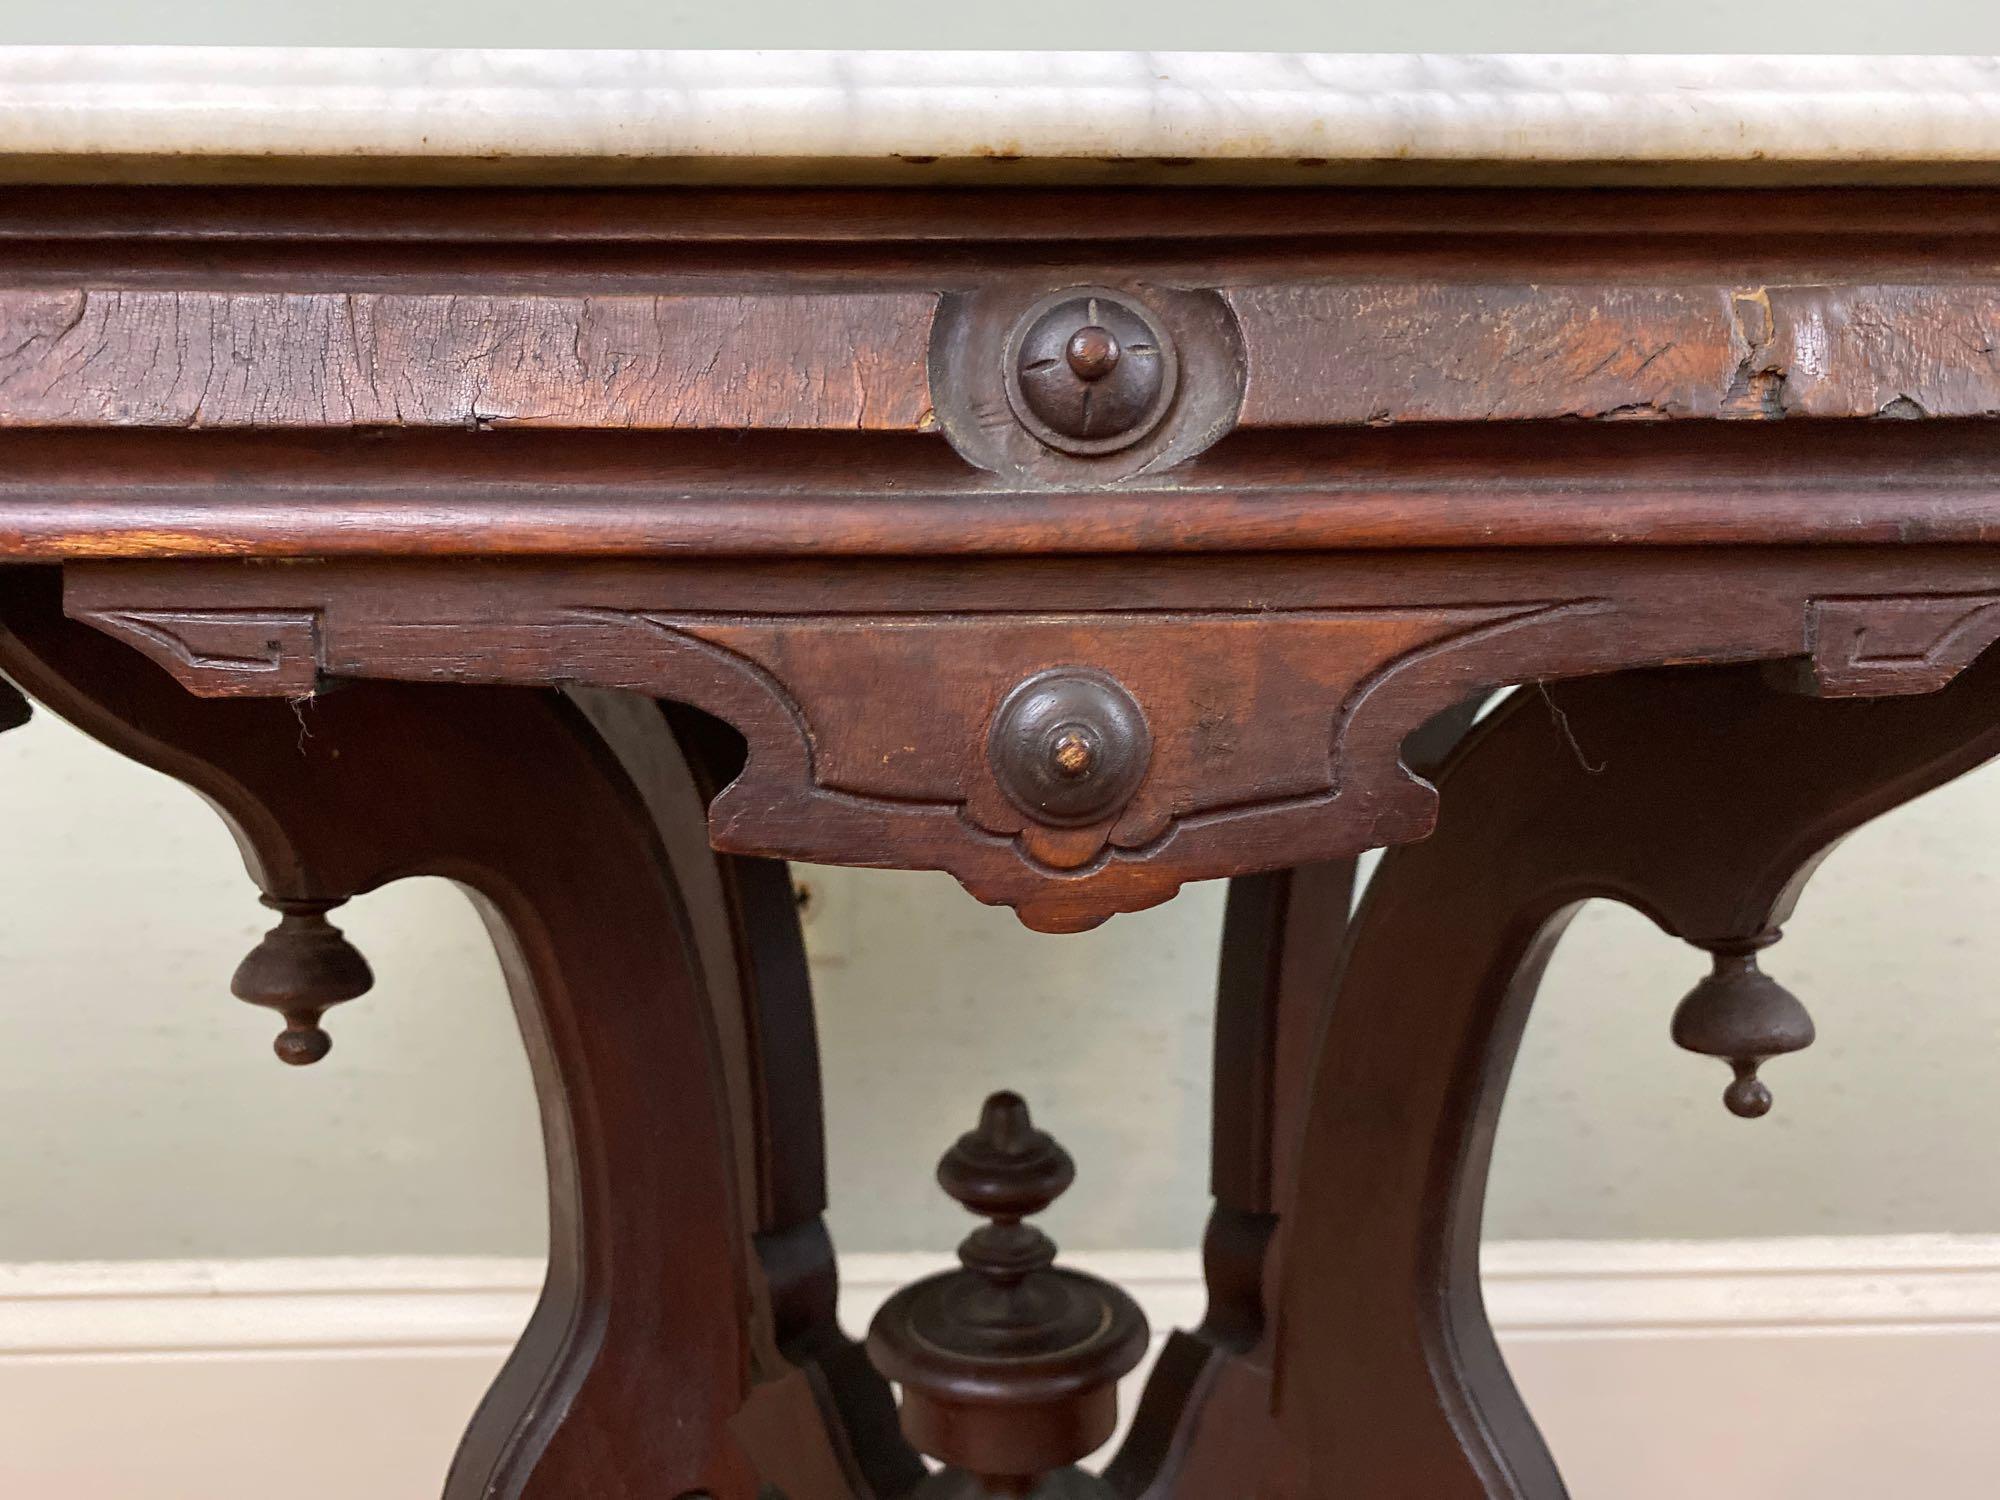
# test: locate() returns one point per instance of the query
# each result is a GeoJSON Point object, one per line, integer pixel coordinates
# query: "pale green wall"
{"type": "Point", "coordinates": [143, 1114]}
{"type": "Point", "coordinates": [1296, 25]}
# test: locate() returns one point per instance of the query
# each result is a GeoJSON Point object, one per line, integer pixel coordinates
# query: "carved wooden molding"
{"type": "Point", "coordinates": [749, 373]}
{"type": "Point", "coordinates": [1271, 729]}
{"type": "Point", "coordinates": [1325, 354]}
{"type": "Point", "coordinates": [693, 386]}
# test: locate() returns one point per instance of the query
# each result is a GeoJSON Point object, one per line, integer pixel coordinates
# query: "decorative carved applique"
{"type": "Point", "coordinates": [1264, 729]}
{"type": "Point", "coordinates": [1897, 643]}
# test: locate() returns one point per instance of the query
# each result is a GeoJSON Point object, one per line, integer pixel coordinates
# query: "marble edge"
{"type": "Point", "coordinates": [753, 112]}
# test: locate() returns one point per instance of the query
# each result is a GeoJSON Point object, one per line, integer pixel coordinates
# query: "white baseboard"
{"type": "Point", "coordinates": [1823, 1369]}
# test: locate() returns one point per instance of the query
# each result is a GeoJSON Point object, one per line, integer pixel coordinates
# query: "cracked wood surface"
{"type": "Point", "coordinates": [1365, 353]}
{"type": "Point", "coordinates": [1379, 354]}
{"type": "Point", "coordinates": [146, 358]}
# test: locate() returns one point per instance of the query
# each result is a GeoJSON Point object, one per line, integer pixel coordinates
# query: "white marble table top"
{"type": "Point", "coordinates": [70, 113]}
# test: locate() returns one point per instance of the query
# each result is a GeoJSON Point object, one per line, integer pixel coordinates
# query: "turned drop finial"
{"type": "Point", "coordinates": [1009, 1366]}
{"type": "Point", "coordinates": [1740, 1014]}
{"type": "Point", "coordinates": [302, 968]}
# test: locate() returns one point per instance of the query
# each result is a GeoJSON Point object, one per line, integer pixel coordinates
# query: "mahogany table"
{"type": "Point", "coordinates": [602, 520]}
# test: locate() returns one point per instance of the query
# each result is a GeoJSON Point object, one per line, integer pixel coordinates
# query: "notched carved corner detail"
{"type": "Point", "coordinates": [1890, 644]}
{"type": "Point", "coordinates": [223, 653]}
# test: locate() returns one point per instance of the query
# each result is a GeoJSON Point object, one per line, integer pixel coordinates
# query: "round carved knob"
{"type": "Point", "coordinates": [1089, 371]}
{"type": "Point", "coordinates": [1069, 745]}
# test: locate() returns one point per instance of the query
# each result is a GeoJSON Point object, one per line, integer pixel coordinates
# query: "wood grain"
{"type": "Point", "coordinates": [1380, 353]}
{"type": "Point", "coordinates": [1642, 485]}
{"type": "Point", "coordinates": [205, 359]}
{"type": "Point", "coordinates": [1374, 353]}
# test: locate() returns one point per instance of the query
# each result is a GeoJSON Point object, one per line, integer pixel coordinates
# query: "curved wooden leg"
{"type": "Point", "coordinates": [820, 1423]}
{"type": "Point", "coordinates": [1707, 798]}
{"type": "Point", "coordinates": [638, 1357]}
{"type": "Point", "coordinates": [1205, 1421]}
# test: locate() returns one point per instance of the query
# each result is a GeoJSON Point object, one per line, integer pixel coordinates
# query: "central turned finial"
{"type": "Point", "coordinates": [1005, 1170]}
{"type": "Point", "coordinates": [1009, 1367]}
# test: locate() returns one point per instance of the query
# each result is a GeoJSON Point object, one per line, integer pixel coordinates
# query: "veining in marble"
{"type": "Point", "coordinates": [827, 114]}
